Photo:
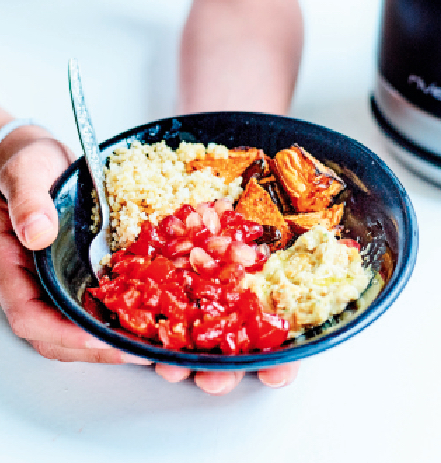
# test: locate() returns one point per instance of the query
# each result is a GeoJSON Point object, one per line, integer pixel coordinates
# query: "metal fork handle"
{"type": "Point", "coordinates": [87, 137]}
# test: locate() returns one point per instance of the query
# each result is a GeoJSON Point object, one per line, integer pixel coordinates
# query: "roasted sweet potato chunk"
{"type": "Point", "coordinates": [256, 204]}
{"type": "Point", "coordinates": [309, 184]}
{"type": "Point", "coordinates": [238, 160]}
{"type": "Point", "coordinates": [329, 218]}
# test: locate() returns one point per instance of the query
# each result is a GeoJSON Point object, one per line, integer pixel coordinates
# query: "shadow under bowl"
{"type": "Point", "coordinates": [378, 212]}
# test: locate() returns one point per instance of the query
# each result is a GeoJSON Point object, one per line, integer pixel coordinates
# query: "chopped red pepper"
{"type": "Point", "coordinates": [173, 336]}
{"type": "Point", "coordinates": [140, 322]}
{"type": "Point", "coordinates": [160, 270]}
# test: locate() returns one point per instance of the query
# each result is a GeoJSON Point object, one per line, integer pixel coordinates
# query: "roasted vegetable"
{"type": "Point", "coordinates": [230, 168]}
{"type": "Point", "coordinates": [256, 204]}
{"type": "Point", "coordinates": [309, 184]}
{"type": "Point", "coordinates": [329, 218]}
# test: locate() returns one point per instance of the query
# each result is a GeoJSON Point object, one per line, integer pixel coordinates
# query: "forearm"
{"type": "Point", "coordinates": [240, 55]}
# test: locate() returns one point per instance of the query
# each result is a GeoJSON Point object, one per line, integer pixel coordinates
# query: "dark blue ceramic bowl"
{"type": "Point", "coordinates": [378, 211]}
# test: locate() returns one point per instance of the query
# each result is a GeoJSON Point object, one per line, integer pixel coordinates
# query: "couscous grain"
{"type": "Point", "coordinates": [149, 182]}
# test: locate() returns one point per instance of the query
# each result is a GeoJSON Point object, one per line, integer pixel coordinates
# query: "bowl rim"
{"type": "Point", "coordinates": [254, 361]}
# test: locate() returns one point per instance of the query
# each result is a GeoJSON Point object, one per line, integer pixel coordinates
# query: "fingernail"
{"type": "Point", "coordinates": [215, 388]}
{"type": "Point", "coordinates": [95, 343]}
{"type": "Point", "coordinates": [171, 373]}
{"type": "Point", "coordinates": [276, 385]}
{"type": "Point", "coordinates": [129, 358]}
{"type": "Point", "coordinates": [37, 225]}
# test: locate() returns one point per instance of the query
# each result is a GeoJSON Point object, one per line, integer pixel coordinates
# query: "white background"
{"type": "Point", "coordinates": [376, 398]}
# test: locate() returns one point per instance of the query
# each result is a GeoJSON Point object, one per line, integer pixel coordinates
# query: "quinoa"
{"type": "Point", "coordinates": [149, 182]}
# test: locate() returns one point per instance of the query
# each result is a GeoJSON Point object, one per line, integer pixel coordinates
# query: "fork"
{"type": "Point", "coordinates": [99, 247]}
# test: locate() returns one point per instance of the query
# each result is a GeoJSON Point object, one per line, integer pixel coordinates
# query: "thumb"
{"type": "Point", "coordinates": [25, 180]}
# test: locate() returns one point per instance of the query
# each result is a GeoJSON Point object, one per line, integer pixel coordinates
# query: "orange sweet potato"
{"type": "Point", "coordinates": [256, 204]}
{"type": "Point", "coordinates": [238, 160]}
{"type": "Point", "coordinates": [309, 184]}
{"type": "Point", "coordinates": [330, 218]}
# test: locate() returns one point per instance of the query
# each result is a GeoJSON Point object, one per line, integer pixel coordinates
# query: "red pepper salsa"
{"type": "Point", "coordinates": [178, 283]}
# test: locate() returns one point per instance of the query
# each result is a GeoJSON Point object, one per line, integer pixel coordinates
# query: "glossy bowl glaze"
{"type": "Point", "coordinates": [378, 211]}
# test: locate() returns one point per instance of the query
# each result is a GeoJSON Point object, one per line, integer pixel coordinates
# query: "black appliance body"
{"type": "Point", "coordinates": [406, 100]}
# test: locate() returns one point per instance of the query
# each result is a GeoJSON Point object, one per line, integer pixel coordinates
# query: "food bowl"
{"type": "Point", "coordinates": [378, 213]}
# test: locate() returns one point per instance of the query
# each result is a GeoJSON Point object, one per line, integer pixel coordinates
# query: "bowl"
{"type": "Point", "coordinates": [378, 211]}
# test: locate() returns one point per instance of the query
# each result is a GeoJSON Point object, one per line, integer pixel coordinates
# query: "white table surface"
{"type": "Point", "coordinates": [375, 398]}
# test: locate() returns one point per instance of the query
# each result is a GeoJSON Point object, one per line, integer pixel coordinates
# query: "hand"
{"type": "Point", "coordinates": [28, 221]}
{"type": "Point", "coordinates": [223, 382]}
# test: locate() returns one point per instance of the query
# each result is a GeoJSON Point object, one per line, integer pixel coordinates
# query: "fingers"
{"type": "Point", "coordinates": [30, 216]}
{"type": "Point", "coordinates": [222, 382]}
{"type": "Point", "coordinates": [279, 376]}
{"type": "Point", "coordinates": [218, 382]}
{"type": "Point", "coordinates": [211, 382]}
{"type": "Point", "coordinates": [64, 354]}
{"type": "Point", "coordinates": [25, 180]}
{"type": "Point", "coordinates": [38, 322]}
{"type": "Point", "coordinates": [172, 373]}
{"type": "Point", "coordinates": [31, 318]}
{"type": "Point", "coordinates": [130, 358]}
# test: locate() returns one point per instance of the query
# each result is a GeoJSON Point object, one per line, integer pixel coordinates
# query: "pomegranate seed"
{"type": "Point", "coordinates": [222, 205]}
{"type": "Point", "coordinates": [263, 253]}
{"type": "Point", "coordinates": [251, 230]}
{"type": "Point", "coordinates": [200, 236]}
{"type": "Point", "coordinates": [202, 207]}
{"type": "Point", "coordinates": [217, 245]}
{"type": "Point", "coordinates": [184, 211]}
{"type": "Point", "coordinates": [177, 247]}
{"type": "Point", "coordinates": [211, 221]}
{"type": "Point", "coordinates": [241, 253]}
{"type": "Point", "coordinates": [142, 248]}
{"type": "Point", "coordinates": [236, 234]}
{"type": "Point", "coordinates": [182, 262]}
{"type": "Point", "coordinates": [150, 235]}
{"type": "Point", "coordinates": [172, 227]}
{"type": "Point", "coordinates": [231, 273]}
{"type": "Point", "coordinates": [231, 218]}
{"type": "Point", "coordinates": [202, 262]}
{"type": "Point", "coordinates": [193, 221]}
{"type": "Point", "coordinates": [264, 250]}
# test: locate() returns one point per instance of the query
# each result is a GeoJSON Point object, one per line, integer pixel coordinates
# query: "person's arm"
{"type": "Point", "coordinates": [240, 55]}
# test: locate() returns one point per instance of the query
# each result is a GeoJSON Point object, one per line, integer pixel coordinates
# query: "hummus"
{"type": "Point", "coordinates": [311, 281]}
